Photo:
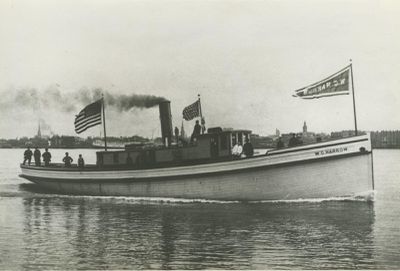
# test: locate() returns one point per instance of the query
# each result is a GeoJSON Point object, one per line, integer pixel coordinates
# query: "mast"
{"type": "Point", "coordinates": [104, 123]}
{"type": "Point", "coordinates": [354, 101]}
{"type": "Point", "coordinates": [201, 116]}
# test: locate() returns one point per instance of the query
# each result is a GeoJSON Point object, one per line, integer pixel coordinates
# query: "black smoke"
{"type": "Point", "coordinates": [72, 102]}
{"type": "Point", "coordinates": [127, 102]}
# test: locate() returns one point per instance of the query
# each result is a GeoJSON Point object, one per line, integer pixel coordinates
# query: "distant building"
{"type": "Point", "coordinates": [63, 141]}
{"type": "Point", "coordinates": [67, 141]}
{"type": "Point", "coordinates": [285, 138]}
{"type": "Point", "coordinates": [55, 141]}
{"type": "Point", "coordinates": [261, 142]}
{"type": "Point", "coordinates": [379, 139]}
{"type": "Point", "coordinates": [38, 140]}
{"type": "Point", "coordinates": [345, 133]}
{"type": "Point", "coordinates": [5, 144]}
{"type": "Point", "coordinates": [307, 137]}
{"type": "Point", "coordinates": [385, 139]}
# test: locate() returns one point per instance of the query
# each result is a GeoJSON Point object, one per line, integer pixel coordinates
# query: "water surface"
{"type": "Point", "coordinates": [41, 230]}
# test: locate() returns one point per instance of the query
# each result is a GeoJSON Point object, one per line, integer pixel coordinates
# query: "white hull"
{"type": "Point", "coordinates": [329, 169]}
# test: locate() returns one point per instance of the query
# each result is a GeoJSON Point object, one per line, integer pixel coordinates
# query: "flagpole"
{"type": "Point", "coordinates": [354, 101]}
{"type": "Point", "coordinates": [201, 115]}
{"type": "Point", "coordinates": [104, 123]}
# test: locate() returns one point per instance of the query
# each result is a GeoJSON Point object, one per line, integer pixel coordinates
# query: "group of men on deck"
{"type": "Point", "coordinates": [47, 158]}
{"type": "Point", "coordinates": [247, 150]}
{"type": "Point", "coordinates": [36, 155]}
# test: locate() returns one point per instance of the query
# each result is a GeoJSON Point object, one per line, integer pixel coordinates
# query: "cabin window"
{"type": "Point", "coordinates": [224, 142]}
{"type": "Point", "coordinates": [233, 140]}
{"type": "Point", "coordinates": [240, 138]}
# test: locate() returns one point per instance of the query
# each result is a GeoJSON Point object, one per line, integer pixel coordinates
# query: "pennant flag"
{"type": "Point", "coordinates": [89, 116]}
{"type": "Point", "coordinates": [191, 111]}
{"type": "Point", "coordinates": [336, 84]}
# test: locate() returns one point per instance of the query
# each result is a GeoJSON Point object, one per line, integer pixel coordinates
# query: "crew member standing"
{"type": "Point", "coordinates": [248, 149]}
{"type": "Point", "coordinates": [237, 150]}
{"type": "Point", "coordinates": [81, 162]}
{"type": "Point", "coordinates": [46, 157]}
{"type": "Point", "coordinates": [27, 156]}
{"type": "Point", "coordinates": [36, 155]}
{"type": "Point", "coordinates": [67, 160]}
{"type": "Point", "coordinates": [203, 125]}
{"type": "Point", "coordinates": [196, 131]}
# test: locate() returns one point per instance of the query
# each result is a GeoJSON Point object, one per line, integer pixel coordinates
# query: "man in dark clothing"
{"type": "Point", "coordinates": [203, 125]}
{"type": "Point", "coordinates": [81, 162]}
{"type": "Point", "coordinates": [196, 131]}
{"type": "Point", "coordinates": [67, 160]}
{"type": "Point", "coordinates": [27, 156]}
{"type": "Point", "coordinates": [46, 157]}
{"type": "Point", "coordinates": [248, 149]}
{"type": "Point", "coordinates": [36, 155]}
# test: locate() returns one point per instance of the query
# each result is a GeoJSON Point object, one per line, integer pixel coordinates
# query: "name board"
{"type": "Point", "coordinates": [331, 150]}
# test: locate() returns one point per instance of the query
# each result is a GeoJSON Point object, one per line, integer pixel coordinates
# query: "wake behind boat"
{"type": "Point", "coordinates": [208, 168]}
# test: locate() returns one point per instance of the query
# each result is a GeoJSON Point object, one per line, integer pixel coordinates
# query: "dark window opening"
{"type": "Point", "coordinates": [233, 140]}
{"type": "Point", "coordinates": [240, 138]}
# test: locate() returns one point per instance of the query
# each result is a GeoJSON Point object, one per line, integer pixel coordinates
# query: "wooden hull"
{"type": "Point", "coordinates": [329, 169]}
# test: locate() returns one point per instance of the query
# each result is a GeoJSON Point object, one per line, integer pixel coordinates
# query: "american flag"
{"type": "Point", "coordinates": [191, 111]}
{"type": "Point", "coordinates": [89, 116]}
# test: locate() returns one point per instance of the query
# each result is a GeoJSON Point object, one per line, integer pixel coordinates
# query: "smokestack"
{"type": "Point", "coordinates": [166, 122]}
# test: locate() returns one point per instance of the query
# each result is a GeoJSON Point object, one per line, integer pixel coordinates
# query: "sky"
{"type": "Point", "coordinates": [245, 59]}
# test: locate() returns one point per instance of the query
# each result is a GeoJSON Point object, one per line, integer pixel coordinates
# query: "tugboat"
{"type": "Point", "coordinates": [207, 169]}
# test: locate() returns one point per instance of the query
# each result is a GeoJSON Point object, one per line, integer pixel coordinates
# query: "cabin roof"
{"type": "Point", "coordinates": [241, 131]}
{"type": "Point", "coordinates": [225, 132]}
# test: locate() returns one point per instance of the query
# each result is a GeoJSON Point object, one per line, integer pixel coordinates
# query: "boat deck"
{"type": "Point", "coordinates": [326, 149]}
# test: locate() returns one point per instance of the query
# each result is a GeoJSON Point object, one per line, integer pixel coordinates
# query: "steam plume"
{"type": "Point", "coordinates": [127, 102]}
{"type": "Point", "coordinates": [71, 102]}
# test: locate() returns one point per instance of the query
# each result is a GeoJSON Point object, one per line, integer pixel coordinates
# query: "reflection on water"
{"type": "Point", "coordinates": [106, 234]}
{"type": "Point", "coordinates": [41, 230]}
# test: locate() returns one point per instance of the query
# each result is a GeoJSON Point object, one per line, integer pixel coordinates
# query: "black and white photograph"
{"type": "Point", "coordinates": [199, 135]}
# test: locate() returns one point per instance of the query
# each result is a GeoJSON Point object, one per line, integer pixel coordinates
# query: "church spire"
{"type": "Point", "coordinates": [39, 133]}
